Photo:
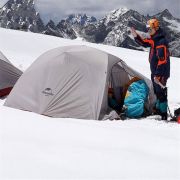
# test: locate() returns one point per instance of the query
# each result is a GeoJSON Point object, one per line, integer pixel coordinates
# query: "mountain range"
{"type": "Point", "coordinates": [112, 29]}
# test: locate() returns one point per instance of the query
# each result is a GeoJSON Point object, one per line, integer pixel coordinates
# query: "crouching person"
{"type": "Point", "coordinates": [135, 99]}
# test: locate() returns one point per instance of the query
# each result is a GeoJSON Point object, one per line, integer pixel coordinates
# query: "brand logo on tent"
{"type": "Point", "coordinates": [48, 92]}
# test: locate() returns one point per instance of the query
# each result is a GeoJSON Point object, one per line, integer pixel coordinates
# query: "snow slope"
{"type": "Point", "coordinates": [38, 147]}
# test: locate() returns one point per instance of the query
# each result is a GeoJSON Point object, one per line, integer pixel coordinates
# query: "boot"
{"type": "Point", "coordinates": [164, 116]}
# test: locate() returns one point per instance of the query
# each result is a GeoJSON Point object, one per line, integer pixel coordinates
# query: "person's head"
{"type": "Point", "coordinates": [152, 26]}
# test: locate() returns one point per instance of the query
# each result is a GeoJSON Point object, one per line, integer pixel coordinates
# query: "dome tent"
{"type": "Point", "coordinates": [71, 82]}
{"type": "Point", "coordinates": [9, 74]}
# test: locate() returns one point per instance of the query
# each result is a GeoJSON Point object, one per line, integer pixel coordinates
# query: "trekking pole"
{"type": "Point", "coordinates": [170, 112]}
{"type": "Point", "coordinates": [163, 87]}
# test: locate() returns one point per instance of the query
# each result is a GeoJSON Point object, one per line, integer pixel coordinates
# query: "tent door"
{"type": "Point", "coordinates": [118, 80]}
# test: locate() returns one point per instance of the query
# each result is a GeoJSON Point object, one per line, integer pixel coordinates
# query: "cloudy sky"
{"type": "Point", "coordinates": [58, 9]}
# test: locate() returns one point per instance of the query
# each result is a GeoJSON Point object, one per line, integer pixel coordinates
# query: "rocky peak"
{"type": "Point", "coordinates": [80, 19]}
{"type": "Point", "coordinates": [164, 13]}
{"type": "Point", "coordinates": [114, 15]}
{"type": "Point", "coordinates": [51, 24]}
{"type": "Point", "coordinates": [21, 14]}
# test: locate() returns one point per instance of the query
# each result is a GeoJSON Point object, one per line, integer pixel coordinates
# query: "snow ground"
{"type": "Point", "coordinates": [38, 147]}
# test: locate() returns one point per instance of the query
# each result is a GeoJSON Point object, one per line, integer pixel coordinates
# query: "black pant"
{"type": "Point", "coordinates": [161, 94]}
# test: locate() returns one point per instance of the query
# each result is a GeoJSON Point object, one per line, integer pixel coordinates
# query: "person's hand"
{"type": "Point", "coordinates": [157, 79]}
{"type": "Point", "coordinates": [133, 32]}
{"type": "Point", "coordinates": [160, 79]}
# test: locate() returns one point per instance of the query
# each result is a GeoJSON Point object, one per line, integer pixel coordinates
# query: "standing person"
{"type": "Point", "coordinates": [159, 63]}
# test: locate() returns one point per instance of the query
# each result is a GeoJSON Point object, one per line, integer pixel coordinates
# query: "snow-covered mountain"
{"type": "Point", "coordinates": [118, 24]}
{"type": "Point", "coordinates": [69, 27]}
{"type": "Point", "coordinates": [21, 14]}
{"type": "Point", "coordinates": [80, 19]}
{"type": "Point", "coordinates": [112, 29]}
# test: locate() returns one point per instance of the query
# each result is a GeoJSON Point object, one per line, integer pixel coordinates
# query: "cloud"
{"type": "Point", "coordinates": [2, 2]}
{"type": "Point", "coordinates": [58, 9]}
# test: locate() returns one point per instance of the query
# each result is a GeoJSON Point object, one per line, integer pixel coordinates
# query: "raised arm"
{"type": "Point", "coordinates": [140, 40]}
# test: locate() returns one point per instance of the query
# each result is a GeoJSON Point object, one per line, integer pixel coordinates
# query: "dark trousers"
{"type": "Point", "coordinates": [161, 94]}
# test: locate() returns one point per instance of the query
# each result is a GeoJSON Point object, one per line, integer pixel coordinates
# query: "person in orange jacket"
{"type": "Point", "coordinates": [159, 59]}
